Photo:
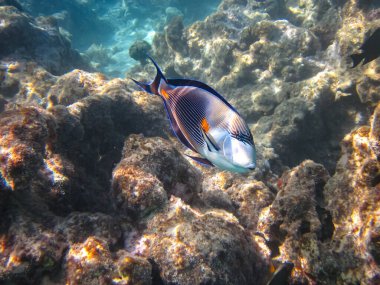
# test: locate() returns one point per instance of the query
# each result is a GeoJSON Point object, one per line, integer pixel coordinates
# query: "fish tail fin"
{"type": "Point", "coordinates": [145, 87]}
{"type": "Point", "coordinates": [159, 76]}
{"type": "Point", "coordinates": [356, 58]}
{"type": "Point", "coordinates": [153, 87]}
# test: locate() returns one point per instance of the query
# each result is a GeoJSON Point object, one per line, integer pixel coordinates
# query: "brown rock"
{"type": "Point", "coordinates": [194, 247]}
{"type": "Point", "coordinates": [157, 156]}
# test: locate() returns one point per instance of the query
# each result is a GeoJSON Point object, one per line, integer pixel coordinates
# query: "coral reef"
{"type": "Point", "coordinates": [82, 21]}
{"type": "Point", "coordinates": [91, 262]}
{"type": "Point", "coordinates": [191, 247]}
{"type": "Point", "coordinates": [284, 66]}
{"type": "Point", "coordinates": [95, 189]}
{"type": "Point", "coordinates": [139, 50]}
{"type": "Point", "coordinates": [36, 40]}
{"type": "Point", "coordinates": [99, 56]}
{"type": "Point", "coordinates": [352, 195]}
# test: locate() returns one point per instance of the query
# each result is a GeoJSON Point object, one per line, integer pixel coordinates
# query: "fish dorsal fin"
{"type": "Point", "coordinates": [195, 83]}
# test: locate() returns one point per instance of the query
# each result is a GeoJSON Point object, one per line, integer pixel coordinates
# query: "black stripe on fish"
{"type": "Point", "coordinates": [243, 137]}
{"type": "Point", "coordinates": [190, 116]}
{"type": "Point", "coordinates": [189, 110]}
{"type": "Point", "coordinates": [176, 130]}
{"type": "Point", "coordinates": [210, 142]}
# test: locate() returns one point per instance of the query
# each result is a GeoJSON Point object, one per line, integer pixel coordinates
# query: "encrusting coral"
{"type": "Point", "coordinates": [193, 247]}
{"type": "Point", "coordinates": [94, 189]}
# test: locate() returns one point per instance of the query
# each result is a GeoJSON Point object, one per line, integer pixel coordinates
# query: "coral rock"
{"type": "Point", "coordinates": [139, 50]}
{"type": "Point", "coordinates": [91, 262]}
{"type": "Point", "coordinates": [74, 86]}
{"type": "Point", "coordinates": [157, 157]}
{"type": "Point", "coordinates": [297, 222]}
{"type": "Point", "coordinates": [24, 134]}
{"type": "Point", "coordinates": [137, 191]}
{"type": "Point", "coordinates": [45, 45]}
{"type": "Point", "coordinates": [353, 195]}
{"type": "Point", "coordinates": [192, 247]}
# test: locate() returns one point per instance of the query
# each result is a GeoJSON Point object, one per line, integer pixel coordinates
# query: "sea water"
{"type": "Point", "coordinates": [103, 31]}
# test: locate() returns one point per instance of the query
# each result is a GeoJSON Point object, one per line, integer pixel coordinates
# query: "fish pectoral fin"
{"type": "Point", "coordinates": [210, 142]}
{"type": "Point", "coordinates": [201, 160]}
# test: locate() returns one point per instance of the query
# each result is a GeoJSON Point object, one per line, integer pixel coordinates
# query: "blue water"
{"type": "Point", "coordinates": [104, 30]}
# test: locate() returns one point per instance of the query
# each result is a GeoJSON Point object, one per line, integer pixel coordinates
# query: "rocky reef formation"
{"type": "Point", "coordinates": [284, 66]}
{"type": "Point", "coordinates": [37, 40]}
{"type": "Point", "coordinates": [94, 188]}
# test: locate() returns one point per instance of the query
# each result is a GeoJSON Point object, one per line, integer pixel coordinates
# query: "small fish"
{"type": "Point", "coordinates": [370, 50]}
{"type": "Point", "coordinates": [281, 275]}
{"type": "Point", "coordinates": [205, 123]}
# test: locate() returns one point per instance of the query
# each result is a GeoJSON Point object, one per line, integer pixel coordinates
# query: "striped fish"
{"type": "Point", "coordinates": [205, 123]}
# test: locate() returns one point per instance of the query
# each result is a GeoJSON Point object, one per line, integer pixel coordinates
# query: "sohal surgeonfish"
{"type": "Point", "coordinates": [205, 123]}
{"type": "Point", "coordinates": [370, 50]}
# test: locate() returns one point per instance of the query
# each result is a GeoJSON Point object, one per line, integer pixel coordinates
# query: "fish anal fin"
{"type": "Point", "coordinates": [201, 160]}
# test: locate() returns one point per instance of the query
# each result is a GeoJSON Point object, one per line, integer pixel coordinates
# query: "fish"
{"type": "Point", "coordinates": [282, 274]}
{"type": "Point", "coordinates": [205, 122]}
{"type": "Point", "coordinates": [370, 50]}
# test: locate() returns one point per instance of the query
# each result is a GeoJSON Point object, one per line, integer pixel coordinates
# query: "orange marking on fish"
{"type": "Point", "coordinates": [205, 125]}
{"type": "Point", "coordinates": [165, 94]}
{"type": "Point", "coordinates": [272, 269]}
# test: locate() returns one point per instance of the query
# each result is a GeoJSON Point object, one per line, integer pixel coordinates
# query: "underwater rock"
{"type": "Point", "coordinates": [13, 3]}
{"type": "Point", "coordinates": [29, 246]}
{"type": "Point", "coordinates": [59, 151]}
{"type": "Point", "coordinates": [24, 135]}
{"type": "Point", "coordinates": [77, 17]}
{"type": "Point", "coordinates": [297, 223]}
{"type": "Point", "coordinates": [352, 195]}
{"type": "Point", "coordinates": [368, 84]}
{"type": "Point", "coordinates": [139, 50]}
{"type": "Point", "coordinates": [161, 161]}
{"type": "Point", "coordinates": [3, 102]}
{"type": "Point", "coordinates": [136, 191]}
{"type": "Point", "coordinates": [174, 35]}
{"type": "Point", "coordinates": [193, 247]}
{"type": "Point", "coordinates": [99, 56]}
{"type": "Point", "coordinates": [41, 161]}
{"type": "Point", "coordinates": [244, 197]}
{"type": "Point", "coordinates": [78, 226]}
{"type": "Point", "coordinates": [172, 12]}
{"type": "Point", "coordinates": [91, 262]}
{"type": "Point", "coordinates": [26, 39]}
{"type": "Point", "coordinates": [73, 86]}
{"type": "Point", "coordinates": [25, 83]}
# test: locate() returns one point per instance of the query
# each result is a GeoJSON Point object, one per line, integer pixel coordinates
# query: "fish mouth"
{"type": "Point", "coordinates": [251, 166]}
